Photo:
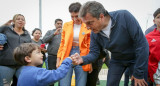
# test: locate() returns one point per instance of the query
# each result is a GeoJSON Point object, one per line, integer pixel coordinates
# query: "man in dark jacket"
{"type": "Point", "coordinates": [53, 37]}
{"type": "Point", "coordinates": [120, 33]}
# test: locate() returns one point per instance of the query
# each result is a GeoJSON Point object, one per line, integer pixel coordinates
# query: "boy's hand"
{"type": "Point", "coordinates": [1, 47]}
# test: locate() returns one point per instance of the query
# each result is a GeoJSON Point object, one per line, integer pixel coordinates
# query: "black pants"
{"type": "Point", "coordinates": [93, 76]}
{"type": "Point", "coordinates": [52, 60]}
{"type": "Point", "coordinates": [97, 65]}
{"type": "Point", "coordinates": [14, 83]}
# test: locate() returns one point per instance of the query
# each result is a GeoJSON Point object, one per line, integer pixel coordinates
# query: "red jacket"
{"type": "Point", "coordinates": [154, 52]}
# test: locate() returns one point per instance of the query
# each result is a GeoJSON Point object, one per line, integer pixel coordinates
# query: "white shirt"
{"type": "Point", "coordinates": [76, 30]}
{"type": "Point", "coordinates": [107, 29]}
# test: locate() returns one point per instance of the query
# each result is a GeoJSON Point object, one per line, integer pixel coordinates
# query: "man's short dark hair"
{"type": "Point", "coordinates": [24, 50]}
{"type": "Point", "coordinates": [94, 8]}
{"type": "Point", "coordinates": [74, 7]}
{"type": "Point", "coordinates": [58, 20]}
{"type": "Point", "coordinates": [156, 12]}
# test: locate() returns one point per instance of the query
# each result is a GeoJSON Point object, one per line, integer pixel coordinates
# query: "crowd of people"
{"type": "Point", "coordinates": [82, 45]}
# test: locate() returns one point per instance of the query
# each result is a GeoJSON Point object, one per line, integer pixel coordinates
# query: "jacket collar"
{"type": "Point", "coordinates": [112, 25]}
{"type": "Point", "coordinates": [113, 20]}
{"type": "Point", "coordinates": [25, 31]}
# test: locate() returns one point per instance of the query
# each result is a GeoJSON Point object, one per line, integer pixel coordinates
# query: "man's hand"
{"type": "Point", "coordinates": [57, 32]}
{"type": "Point", "coordinates": [58, 62]}
{"type": "Point", "coordinates": [139, 82]}
{"type": "Point", "coordinates": [44, 50]}
{"type": "Point", "coordinates": [76, 59]}
{"type": "Point", "coordinates": [1, 47]}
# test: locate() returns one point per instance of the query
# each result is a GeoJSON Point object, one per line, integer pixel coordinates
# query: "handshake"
{"type": "Point", "coordinates": [76, 59]}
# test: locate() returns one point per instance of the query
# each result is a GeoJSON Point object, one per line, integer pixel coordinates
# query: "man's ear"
{"type": "Point", "coordinates": [101, 16]}
{"type": "Point", "coordinates": [27, 59]}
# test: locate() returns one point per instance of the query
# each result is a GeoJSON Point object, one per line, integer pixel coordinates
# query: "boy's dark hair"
{"type": "Point", "coordinates": [24, 50]}
{"type": "Point", "coordinates": [58, 20]}
{"type": "Point", "coordinates": [35, 30]}
{"type": "Point", "coordinates": [74, 7]}
{"type": "Point", "coordinates": [156, 12]}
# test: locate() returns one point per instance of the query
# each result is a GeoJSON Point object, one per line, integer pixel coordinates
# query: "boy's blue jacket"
{"type": "Point", "coordinates": [34, 76]}
{"type": "Point", "coordinates": [126, 43]}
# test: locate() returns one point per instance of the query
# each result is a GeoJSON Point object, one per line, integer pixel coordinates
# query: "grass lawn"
{"type": "Point", "coordinates": [104, 66]}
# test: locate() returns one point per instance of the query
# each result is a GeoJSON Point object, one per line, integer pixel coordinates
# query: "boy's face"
{"type": "Point", "coordinates": [157, 20]}
{"type": "Point", "coordinates": [36, 57]}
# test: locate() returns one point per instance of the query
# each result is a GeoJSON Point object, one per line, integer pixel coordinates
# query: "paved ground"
{"type": "Point", "coordinates": [103, 75]}
{"type": "Point", "coordinates": [103, 78]}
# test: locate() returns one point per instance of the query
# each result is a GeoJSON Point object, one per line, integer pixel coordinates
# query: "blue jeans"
{"type": "Point", "coordinates": [80, 75]}
{"type": "Point", "coordinates": [116, 70]}
{"type": "Point", "coordinates": [6, 74]}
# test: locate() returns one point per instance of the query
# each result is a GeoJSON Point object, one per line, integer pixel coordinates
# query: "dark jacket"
{"type": "Point", "coordinates": [13, 40]}
{"type": "Point", "coordinates": [127, 42]}
{"type": "Point", "coordinates": [53, 40]}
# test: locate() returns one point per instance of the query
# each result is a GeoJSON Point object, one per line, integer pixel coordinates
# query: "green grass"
{"type": "Point", "coordinates": [104, 66]}
{"type": "Point", "coordinates": [44, 65]}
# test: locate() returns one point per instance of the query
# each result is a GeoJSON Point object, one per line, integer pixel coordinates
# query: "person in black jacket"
{"type": "Point", "coordinates": [16, 34]}
{"type": "Point", "coordinates": [120, 33]}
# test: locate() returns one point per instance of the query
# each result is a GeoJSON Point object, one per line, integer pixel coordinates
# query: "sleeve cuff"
{"type": "Point", "coordinates": [68, 60]}
{"type": "Point", "coordinates": [138, 75]}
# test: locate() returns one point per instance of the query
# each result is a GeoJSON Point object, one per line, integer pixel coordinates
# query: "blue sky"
{"type": "Point", "coordinates": [51, 9]}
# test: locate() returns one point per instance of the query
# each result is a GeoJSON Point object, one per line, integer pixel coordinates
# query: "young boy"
{"type": "Point", "coordinates": [154, 50]}
{"type": "Point", "coordinates": [30, 55]}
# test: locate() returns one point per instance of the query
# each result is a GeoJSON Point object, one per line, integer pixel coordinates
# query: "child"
{"type": "Point", "coordinates": [154, 50]}
{"type": "Point", "coordinates": [29, 54]}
